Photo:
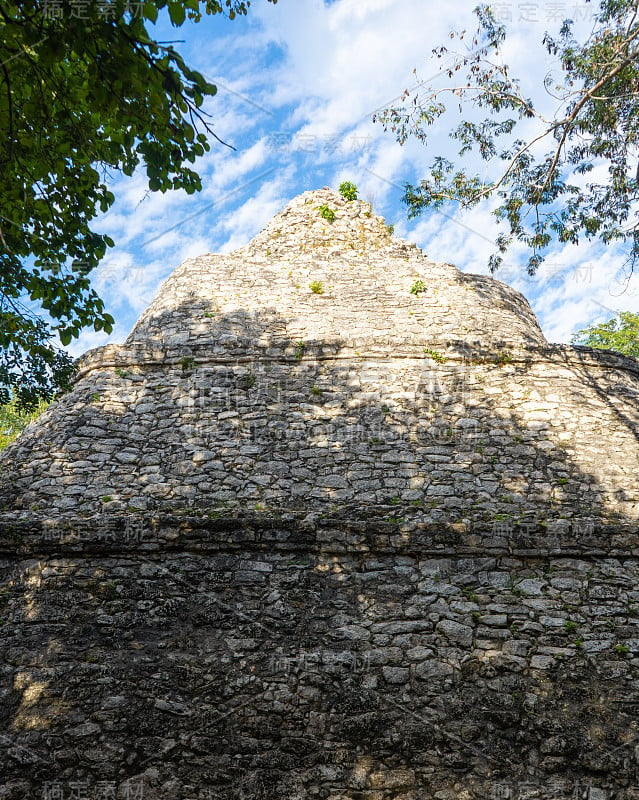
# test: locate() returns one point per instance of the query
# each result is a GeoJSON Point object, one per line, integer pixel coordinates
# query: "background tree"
{"type": "Point", "coordinates": [619, 333]}
{"type": "Point", "coordinates": [13, 420]}
{"type": "Point", "coordinates": [84, 89]}
{"type": "Point", "coordinates": [535, 175]}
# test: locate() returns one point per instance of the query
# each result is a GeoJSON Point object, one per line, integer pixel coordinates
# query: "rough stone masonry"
{"type": "Point", "coordinates": [334, 522]}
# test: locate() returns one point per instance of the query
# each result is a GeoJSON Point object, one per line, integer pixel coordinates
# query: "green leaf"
{"type": "Point", "coordinates": [177, 13]}
{"type": "Point", "coordinates": [89, 96]}
{"type": "Point", "coordinates": [538, 204]}
{"type": "Point", "coordinates": [151, 11]}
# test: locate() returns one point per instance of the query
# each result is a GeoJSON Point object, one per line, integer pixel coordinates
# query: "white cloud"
{"type": "Point", "coordinates": [314, 72]}
{"type": "Point", "coordinates": [246, 221]}
{"type": "Point", "coordinates": [345, 60]}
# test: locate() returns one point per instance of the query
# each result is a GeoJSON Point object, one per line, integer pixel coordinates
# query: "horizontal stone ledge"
{"type": "Point", "coordinates": [27, 535]}
{"type": "Point", "coordinates": [93, 550]}
{"type": "Point", "coordinates": [454, 352]}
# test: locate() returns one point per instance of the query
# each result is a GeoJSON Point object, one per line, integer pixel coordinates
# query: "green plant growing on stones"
{"type": "Point", "coordinates": [14, 533]}
{"type": "Point", "coordinates": [348, 190]}
{"type": "Point", "coordinates": [394, 501]}
{"type": "Point", "coordinates": [248, 381]}
{"type": "Point", "coordinates": [579, 643]}
{"type": "Point", "coordinates": [316, 391]}
{"type": "Point", "coordinates": [502, 358]}
{"type": "Point", "coordinates": [187, 363]}
{"type": "Point", "coordinates": [211, 314]}
{"type": "Point", "coordinates": [108, 590]}
{"type": "Point", "coordinates": [562, 481]}
{"type": "Point", "coordinates": [326, 212]}
{"type": "Point", "coordinates": [106, 498]}
{"type": "Point", "coordinates": [570, 626]}
{"type": "Point", "coordinates": [300, 347]}
{"type": "Point", "coordinates": [122, 373]}
{"type": "Point", "coordinates": [418, 287]}
{"type": "Point", "coordinates": [390, 228]}
{"type": "Point", "coordinates": [621, 649]}
{"type": "Point", "coordinates": [317, 287]}
{"type": "Point", "coordinates": [434, 354]}
{"type": "Point", "coordinates": [95, 397]}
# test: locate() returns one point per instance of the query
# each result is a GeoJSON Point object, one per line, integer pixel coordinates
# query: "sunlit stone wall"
{"type": "Point", "coordinates": [334, 522]}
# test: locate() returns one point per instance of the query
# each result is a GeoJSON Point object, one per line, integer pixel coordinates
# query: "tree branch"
{"type": "Point", "coordinates": [568, 121]}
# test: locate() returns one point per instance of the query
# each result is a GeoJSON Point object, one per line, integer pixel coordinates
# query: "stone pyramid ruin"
{"type": "Point", "coordinates": [334, 522]}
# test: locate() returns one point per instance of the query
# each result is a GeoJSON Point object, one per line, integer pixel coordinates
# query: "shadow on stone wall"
{"type": "Point", "coordinates": [463, 624]}
{"type": "Point", "coordinates": [249, 673]}
{"type": "Point", "coordinates": [621, 397]}
{"type": "Point", "coordinates": [207, 433]}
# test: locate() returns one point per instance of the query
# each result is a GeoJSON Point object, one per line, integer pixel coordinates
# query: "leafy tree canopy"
{"type": "Point", "coordinates": [619, 333]}
{"type": "Point", "coordinates": [14, 419]}
{"type": "Point", "coordinates": [84, 90]}
{"type": "Point", "coordinates": [538, 164]}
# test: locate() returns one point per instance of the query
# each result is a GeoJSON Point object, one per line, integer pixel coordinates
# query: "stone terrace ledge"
{"type": "Point", "coordinates": [365, 531]}
{"type": "Point", "coordinates": [143, 357]}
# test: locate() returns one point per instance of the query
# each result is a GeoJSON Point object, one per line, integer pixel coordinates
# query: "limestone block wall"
{"type": "Point", "coordinates": [334, 522]}
{"type": "Point", "coordinates": [247, 658]}
{"type": "Point", "coordinates": [259, 299]}
{"type": "Point", "coordinates": [331, 363]}
{"type": "Point", "coordinates": [472, 438]}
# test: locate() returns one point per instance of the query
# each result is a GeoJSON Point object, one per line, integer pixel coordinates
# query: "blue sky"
{"type": "Point", "coordinates": [297, 85]}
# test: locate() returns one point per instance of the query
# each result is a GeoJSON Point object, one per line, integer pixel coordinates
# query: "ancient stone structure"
{"type": "Point", "coordinates": [334, 522]}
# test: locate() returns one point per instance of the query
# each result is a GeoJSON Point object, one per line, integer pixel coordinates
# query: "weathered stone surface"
{"type": "Point", "coordinates": [360, 543]}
